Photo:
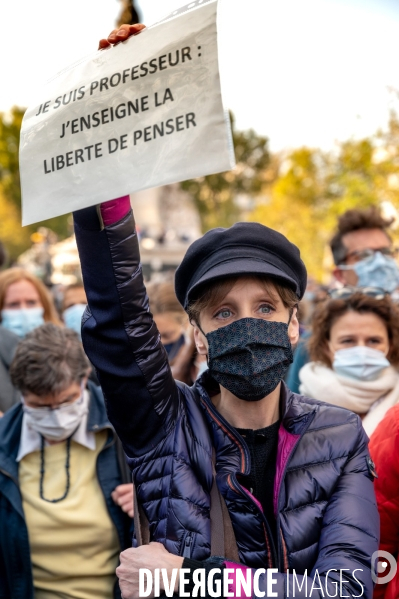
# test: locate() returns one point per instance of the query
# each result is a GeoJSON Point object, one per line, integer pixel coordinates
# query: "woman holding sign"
{"type": "Point", "coordinates": [235, 472]}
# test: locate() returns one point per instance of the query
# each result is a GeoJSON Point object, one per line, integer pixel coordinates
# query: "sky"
{"type": "Point", "coordinates": [302, 73]}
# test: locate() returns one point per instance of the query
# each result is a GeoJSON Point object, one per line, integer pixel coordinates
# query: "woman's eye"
{"type": "Point", "coordinates": [266, 309]}
{"type": "Point", "coordinates": [225, 313]}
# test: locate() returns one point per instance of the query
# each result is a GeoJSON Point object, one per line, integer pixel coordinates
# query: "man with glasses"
{"type": "Point", "coordinates": [364, 257]}
{"type": "Point", "coordinates": [363, 252]}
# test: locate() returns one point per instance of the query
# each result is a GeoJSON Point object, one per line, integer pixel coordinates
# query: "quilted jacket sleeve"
{"type": "Point", "coordinates": [384, 449]}
{"type": "Point", "coordinates": [119, 334]}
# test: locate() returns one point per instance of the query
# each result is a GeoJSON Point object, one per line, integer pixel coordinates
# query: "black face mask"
{"type": "Point", "coordinates": [249, 357]}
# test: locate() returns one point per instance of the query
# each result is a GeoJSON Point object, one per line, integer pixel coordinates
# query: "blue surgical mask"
{"type": "Point", "coordinates": [22, 321]}
{"type": "Point", "coordinates": [73, 318]}
{"type": "Point", "coordinates": [377, 271]}
{"type": "Point", "coordinates": [360, 362]}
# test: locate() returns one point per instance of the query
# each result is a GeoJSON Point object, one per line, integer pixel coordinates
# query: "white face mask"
{"type": "Point", "coordinates": [57, 424]}
{"type": "Point", "coordinates": [360, 362]}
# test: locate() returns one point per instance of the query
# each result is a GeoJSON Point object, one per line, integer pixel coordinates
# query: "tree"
{"type": "Point", "coordinates": [16, 238]}
{"type": "Point", "coordinates": [313, 188]}
{"type": "Point", "coordinates": [217, 196]}
{"type": "Point", "coordinates": [294, 205]}
{"type": "Point", "coordinates": [10, 126]}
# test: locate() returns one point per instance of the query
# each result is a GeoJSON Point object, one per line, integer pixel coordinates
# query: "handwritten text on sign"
{"type": "Point", "coordinates": [146, 112]}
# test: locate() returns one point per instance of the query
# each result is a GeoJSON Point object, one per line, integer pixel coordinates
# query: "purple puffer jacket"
{"type": "Point", "coordinates": [324, 500]}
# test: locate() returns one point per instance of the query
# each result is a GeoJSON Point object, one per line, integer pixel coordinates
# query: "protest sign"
{"type": "Point", "coordinates": [143, 113]}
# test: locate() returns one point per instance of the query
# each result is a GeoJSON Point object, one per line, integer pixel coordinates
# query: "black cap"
{"type": "Point", "coordinates": [243, 249]}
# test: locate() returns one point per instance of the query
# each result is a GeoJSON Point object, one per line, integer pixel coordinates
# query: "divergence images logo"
{"type": "Point", "coordinates": [382, 561]}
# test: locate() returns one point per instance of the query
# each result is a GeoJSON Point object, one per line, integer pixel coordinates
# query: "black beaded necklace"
{"type": "Point", "coordinates": [42, 470]}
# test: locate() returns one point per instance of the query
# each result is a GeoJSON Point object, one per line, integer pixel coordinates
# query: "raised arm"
{"type": "Point", "coordinates": [118, 332]}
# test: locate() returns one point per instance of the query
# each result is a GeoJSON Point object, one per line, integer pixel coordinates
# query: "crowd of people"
{"type": "Point", "coordinates": [217, 422]}
{"type": "Point", "coordinates": [66, 496]}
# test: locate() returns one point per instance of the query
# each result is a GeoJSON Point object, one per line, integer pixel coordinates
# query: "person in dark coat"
{"type": "Point", "coordinates": [294, 473]}
{"type": "Point", "coordinates": [66, 505]}
{"type": "Point", "coordinates": [292, 476]}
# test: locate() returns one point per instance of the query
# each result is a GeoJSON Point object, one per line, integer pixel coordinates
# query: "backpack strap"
{"type": "Point", "coordinates": [141, 524]}
{"type": "Point", "coordinates": [126, 475]}
{"type": "Point", "coordinates": [223, 541]}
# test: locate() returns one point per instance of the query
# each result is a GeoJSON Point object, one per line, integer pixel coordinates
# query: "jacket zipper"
{"type": "Point", "coordinates": [279, 533]}
{"type": "Point", "coordinates": [187, 547]}
{"type": "Point", "coordinates": [239, 489]}
{"type": "Point", "coordinates": [268, 533]}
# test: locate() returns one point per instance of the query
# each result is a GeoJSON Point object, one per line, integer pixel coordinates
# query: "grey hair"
{"type": "Point", "coordinates": [48, 360]}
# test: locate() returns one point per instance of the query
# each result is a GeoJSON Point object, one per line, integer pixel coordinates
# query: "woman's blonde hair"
{"type": "Point", "coordinates": [16, 274]}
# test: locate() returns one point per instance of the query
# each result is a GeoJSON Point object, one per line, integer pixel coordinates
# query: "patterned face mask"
{"type": "Point", "coordinates": [249, 357]}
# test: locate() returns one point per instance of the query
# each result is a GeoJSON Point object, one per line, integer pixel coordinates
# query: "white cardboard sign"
{"type": "Point", "coordinates": [144, 113]}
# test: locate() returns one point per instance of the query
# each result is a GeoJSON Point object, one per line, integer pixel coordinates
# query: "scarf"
{"type": "Point", "coordinates": [322, 383]}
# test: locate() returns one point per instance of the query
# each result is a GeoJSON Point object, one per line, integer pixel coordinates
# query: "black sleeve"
{"type": "Point", "coordinates": [120, 336]}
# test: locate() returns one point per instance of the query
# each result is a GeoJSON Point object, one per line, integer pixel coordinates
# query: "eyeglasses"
{"type": "Point", "coordinates": [347, 292]}
{"type": "Point", "coordinates": [58, 407]}
{"type": "Point", "coordinates": [391, 252]}
{"type": "Point", "coordinates": [49, 409]}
